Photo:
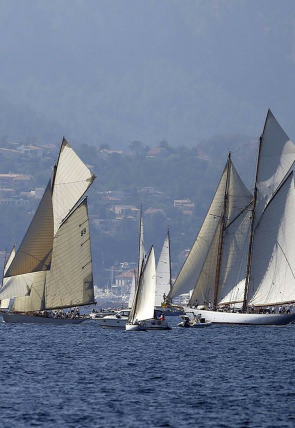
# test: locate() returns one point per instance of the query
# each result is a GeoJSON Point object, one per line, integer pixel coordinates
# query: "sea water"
{"type": "Point", "coordinates": [86, 376]}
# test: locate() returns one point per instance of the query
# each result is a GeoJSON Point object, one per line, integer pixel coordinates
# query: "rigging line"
{"type": "Point", "coordinates": [286, 259]}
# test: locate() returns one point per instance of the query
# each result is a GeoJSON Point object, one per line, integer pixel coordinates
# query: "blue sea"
{"type": "Point", "coordinates": [84, 376]}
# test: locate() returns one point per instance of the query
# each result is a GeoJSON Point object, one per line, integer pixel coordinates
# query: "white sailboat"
{"type": "Point", "coordinates": [142, 312]}
{"type": "Point", "coordinates": [164, 281]}
{"type": "Point", "coordinates": [163, 273]}
{"type": "Point", "coordinates": [52, 268]}
{"type": "Point", "coordinates": [242, 264]}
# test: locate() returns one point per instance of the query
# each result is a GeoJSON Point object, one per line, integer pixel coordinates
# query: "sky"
{"type": "Point", "coordinates": [117, 71]}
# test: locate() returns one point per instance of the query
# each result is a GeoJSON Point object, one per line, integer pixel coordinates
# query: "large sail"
{"type": "Point", "coordinates": [276, 156]}
{"type": "Point", "coordinates": [9, 260]}
{"type": "Point", "coordinates": [34, 300]}
{"type": "Point", "coordinates": [144, 302]}
{"type": "Point", "coordinates": [69, 281]}
{"type": "Point", "coordinates": [34, 253]}
{"type": "Point", "coordinates": [72, 179]}
{"type": "Point", "coordinates": [272, 275]}
{"type": "Point", "coordinates": [163, 272]}
{"type": "Point", "coordinates": [201, 263]}
{"type": "Point", "coordinates": [131, 292]}
{"type": "Point", "coordinates": [234, 259]}
{"type": "Point", "coordinates": [190, 272]}
{"type": "Point", "coordinates": [20, 285]}
{"type": "Point", "coordinates": [205, 286]}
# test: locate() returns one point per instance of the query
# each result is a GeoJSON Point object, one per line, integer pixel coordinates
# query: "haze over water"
{"type": "Point", "coordinates": [78, 376]}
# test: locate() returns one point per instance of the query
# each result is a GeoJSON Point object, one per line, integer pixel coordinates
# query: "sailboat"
{"type": "Point", "coordinates": [163, 273]}
{"type": "Point", "coordinates": [164, 281]}
{"type": "Point", "coordinates": [142, 315]}
{"type": "Point", "coordinates": [241, 266]}
{"type": "Point", "coordinates": [52, 268]}
{"type": "Point", "coordinates": [119, 319]}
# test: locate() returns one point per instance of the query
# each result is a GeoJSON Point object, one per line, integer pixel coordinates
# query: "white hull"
{"type": "Point", "coordinates": [9, 317]}
{"type": "Point", "coordinates": [135, 327]}
{"type": "Point", "coordinates": [195, 325]}
{"type": "Point", "coordinates": [246, 319]}
{"type": "Point", "coordinates": [113, 322]}
{"type": "Point", "coordinates": [118, 320]}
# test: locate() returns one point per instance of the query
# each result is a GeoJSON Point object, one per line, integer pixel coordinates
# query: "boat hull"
{"type": "Point", "coordinates": [194, 325]}
{"type": "Point", "coordinates": [111, 322]}
{"type": "Point", "coordinates": [9, 317]}
{"type": "Point", "coordinates": [135, 327]}
{"type": "Point", "coordinates": [246, 319]}
{"type": "Point", "coordinates": [157, 325]}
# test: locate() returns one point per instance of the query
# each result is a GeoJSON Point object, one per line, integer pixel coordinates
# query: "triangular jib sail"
{"type": "Point", "coordinates": [144, 302]}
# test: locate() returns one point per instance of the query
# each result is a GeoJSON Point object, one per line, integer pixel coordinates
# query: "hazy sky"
{"type": "Point", "coordinates": [114, 71]}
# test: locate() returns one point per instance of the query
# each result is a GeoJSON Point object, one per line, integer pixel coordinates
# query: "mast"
{"type": "Point", "coordinates": [252, 227]}
{"type": "Point", "coordinates": [140, 247]}
{"type": "Point", "coordinates": [221, 236]}
{"type": "Point", "coordinates": [170, 277]}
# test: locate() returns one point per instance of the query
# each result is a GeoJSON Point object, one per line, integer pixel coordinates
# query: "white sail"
{"type": "Point", "coordinates": [9, 260]}
{"type": "Point", "coordinates": [20, 285]}
{"type": "Point", "coordinates": [131, 292]}
{"type": "Point", "coordinates": [277, 154]}
{"type": "Point", "coordinates": [272, 277]}
{"type": "Point", "coordinates": [234, 259]}
{"type": "Point", "coordinates": [34, 301]}
{"type": "Point", "coordinates": [204, 289]}
{"type": "Point", "coordinates": [163, 272]}
{"type": "Point", "coordinates": [69, 281]}
{"type": "Point", "coordinates": [199, 269]}
{"type": "Point", "coordinates": [190, 272]}
{"type": "Point", "coordinates": [72, 179]}
{"type": "Point", "coordinates": [144, 302]}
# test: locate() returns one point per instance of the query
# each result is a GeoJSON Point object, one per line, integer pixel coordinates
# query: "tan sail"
{"type": "Point", "coordinates": [72, 179]}
{"type": "Point", "coordinates": [69, 281]}
{"type": "Point", "coordinates": [55, 252]}
{"type": "Point", "coordinates": [34, 253]}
